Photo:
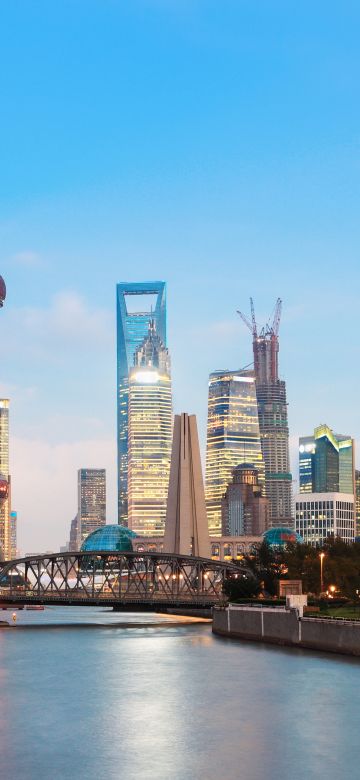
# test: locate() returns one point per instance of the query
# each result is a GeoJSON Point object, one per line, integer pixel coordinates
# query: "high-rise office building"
{"type": "Point", "coordinates": [306, 464]}
{"type": "Point", "coordinates": [357, 501]}
{"type": "Point", "coordinates": [137, 304]}
{"type": "Point", "coordinates": [91, 500]}
{"type": "Point", "coordinates": [273, 418]}
{"type": "Point", "coordinates": [74, 540]}
{"type": "Point", "coordinates": [233, 436]}
{"type": "Point", "coordinates": [13, 534]}
{"type": "Point", "coordinates": [149, 435]}
{"type": "Point", "coordinates": [5, 502]}
{"type": "Point", "coordinates": [326, 462]}
{"type": "Point", "coordinates": [326, 503]}
{"type": "Point", "coordinates": [244, 510]}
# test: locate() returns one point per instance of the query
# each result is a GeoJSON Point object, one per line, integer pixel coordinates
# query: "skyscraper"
{"type": "Point", "coordinates": [306, 464]}
{"type": "Point", "coordinates": [91, 500]}
{"type": "Point", "coordinates": [243, 508]}
{"type": "Point", "coordinates": [233, 436]}
{"type": "Point", "coordinates": [13, 534]}
{"type": "Point", "coordinates": [326, 502]}
{"type": "Point", "coordinates": [357, 501]}
{"type": "Point", "coordinates": [137, 303]}
{"type": "Point", "coordinates": [273, 419]}
{"type": "Point", "coordinates": [326, 462]}
{"type": "Point", "coordinates": [149, 435]}
{"type": "Point", "coordinates": [5, 503]}
{"type": "Point", "coordinates": [74, 541]}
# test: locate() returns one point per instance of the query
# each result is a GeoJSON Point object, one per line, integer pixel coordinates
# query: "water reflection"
{"type": "Point", "coordinates": [170, 704]}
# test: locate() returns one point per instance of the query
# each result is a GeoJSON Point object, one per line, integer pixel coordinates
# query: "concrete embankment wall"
{"type": "Point", "coordinates": [284, 627]}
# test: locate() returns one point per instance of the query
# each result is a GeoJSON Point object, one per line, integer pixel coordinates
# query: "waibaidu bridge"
{"type": "Point", "coordinates": [146, 580]}
{"type": "Point", "coordinates": [136, 579]}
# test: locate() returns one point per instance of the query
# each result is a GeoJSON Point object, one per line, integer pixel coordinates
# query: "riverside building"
{"type": "Point", "coordinates": [91, 501]}
{"type": "Point", "coordinates": [233, 436]}
{"type": "Point", "coordinates": [149, 435]}
{"type": "Point", "coordinates": [136, 304]}
{"type": "Point", "coordinates": [319, 515]}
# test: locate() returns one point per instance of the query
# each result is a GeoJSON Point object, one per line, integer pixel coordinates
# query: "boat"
{"type": "Point", "coordinates": [35, 606]}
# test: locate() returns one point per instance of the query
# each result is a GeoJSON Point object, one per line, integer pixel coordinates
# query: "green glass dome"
{"type": "Point", "coordinates": [109, 538]}
{"type": "Point", "coordinates": [280, 537]}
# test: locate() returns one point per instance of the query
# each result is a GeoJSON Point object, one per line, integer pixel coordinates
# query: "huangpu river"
{"type": "Point", "coordinates": [152, 701]}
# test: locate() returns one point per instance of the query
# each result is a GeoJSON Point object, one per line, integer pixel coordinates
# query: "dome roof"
{"type": "Point", "coordinates": [280, 537]}
{"type": "Point", "coordinates": [109, 538]}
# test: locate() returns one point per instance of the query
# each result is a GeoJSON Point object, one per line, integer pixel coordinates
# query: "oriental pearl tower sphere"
{"type": "Point", "coordinates": [2, 291]}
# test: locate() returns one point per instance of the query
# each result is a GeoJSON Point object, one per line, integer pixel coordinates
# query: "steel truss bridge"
{"type": "Point", "coordinates": [148, 580]}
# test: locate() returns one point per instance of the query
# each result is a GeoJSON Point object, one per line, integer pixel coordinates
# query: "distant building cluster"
{"type": "Point", "coordinates": [248, 483]}
{"type": "Point", "coordinates": [327, 503]}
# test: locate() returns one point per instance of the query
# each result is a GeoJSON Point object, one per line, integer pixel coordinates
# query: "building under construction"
{"type": "Point", "coordinates": [272, 412]}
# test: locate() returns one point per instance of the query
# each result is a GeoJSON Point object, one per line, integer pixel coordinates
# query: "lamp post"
{"type": "Point", "coordinates": [322, 556]}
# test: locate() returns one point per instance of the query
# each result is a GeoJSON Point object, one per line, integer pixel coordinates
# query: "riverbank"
{"type": "Point", "coordinates": [281, 626]}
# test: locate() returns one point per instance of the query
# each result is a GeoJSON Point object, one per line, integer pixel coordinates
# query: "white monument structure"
{"type": "Point", "coordinates": [186, 527]}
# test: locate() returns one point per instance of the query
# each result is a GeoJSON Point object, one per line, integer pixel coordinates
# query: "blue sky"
{"type": "Point", "coordinates": [214, 145]}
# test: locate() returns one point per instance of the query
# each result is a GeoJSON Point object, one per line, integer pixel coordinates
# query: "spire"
{"type": "Point", "coordinates": [152, 353]}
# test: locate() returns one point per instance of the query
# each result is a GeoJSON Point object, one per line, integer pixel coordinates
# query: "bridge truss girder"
{"type": "Point", "coordinates": [114, 578]}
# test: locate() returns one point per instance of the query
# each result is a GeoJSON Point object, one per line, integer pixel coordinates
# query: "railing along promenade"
{"type": "Point", "coordinates": [154, 579]}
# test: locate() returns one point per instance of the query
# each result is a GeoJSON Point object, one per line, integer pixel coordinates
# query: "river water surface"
{"type": "Point", "coordinates": [165, 702]}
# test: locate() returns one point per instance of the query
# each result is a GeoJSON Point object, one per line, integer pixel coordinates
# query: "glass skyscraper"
{"type": "Point", "coordinates": [91, 500]}
{"type": "Point", "coordinates": [306, 464]}
{"type": "Point", "coordinates": [233, 436]}
{"type": "Point", "coordinates": [149, 436]}
{"type": "Point", "coordinates": [326, 462]}
{"type": "Point", "coordinates": [137, 303]}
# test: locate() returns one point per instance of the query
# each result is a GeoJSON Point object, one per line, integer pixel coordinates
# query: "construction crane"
{"type": "Point", "coordinates": [267, 330]}
{"type": "Point", "coordinates": [277, 315]}
{"type": "Point", "coordinates": [246, 321]}
{"type": "Point", "coordinates": [251, 325]}
{"type": "Point", "coordinates": [253, 320]}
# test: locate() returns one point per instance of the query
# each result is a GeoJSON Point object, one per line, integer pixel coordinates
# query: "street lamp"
{"type": "Point", "coordinates": [322, 556]}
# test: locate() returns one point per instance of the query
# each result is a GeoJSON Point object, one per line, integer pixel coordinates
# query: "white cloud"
{"type": "Point", "coordinates": [68, 315]}
{"type": "Point", "coordinates": [28, 259]}
{"type": "Point", "coordinates": [44, 487]}
{"type": "Point", "coordinates": [67, 323]}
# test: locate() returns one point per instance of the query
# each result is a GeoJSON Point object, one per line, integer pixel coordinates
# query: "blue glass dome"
{"type": "Point", "coordinates": [109, 538]}
{"type": "Point", "coordinates": [280, 537]}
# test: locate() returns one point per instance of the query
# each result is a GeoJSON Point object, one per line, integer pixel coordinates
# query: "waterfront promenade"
{"type": "Point", "coordinates": [282, 626]}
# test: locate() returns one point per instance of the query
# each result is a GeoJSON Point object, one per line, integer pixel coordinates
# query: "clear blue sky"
{"type": "Point", "coordinates": [212, 144]}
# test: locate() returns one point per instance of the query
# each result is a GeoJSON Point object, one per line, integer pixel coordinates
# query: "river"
{"type": "Point", "coordinates": [168, 702]}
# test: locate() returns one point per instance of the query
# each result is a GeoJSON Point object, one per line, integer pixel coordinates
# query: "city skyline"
{"type": "Point", "coordinates": [111, 467]}
{"type": "Point", "coordinates": [222, 158]}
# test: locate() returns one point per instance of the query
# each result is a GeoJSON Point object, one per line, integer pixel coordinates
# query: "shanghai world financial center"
{"type": "Point", "coordinates": [138, 304]}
